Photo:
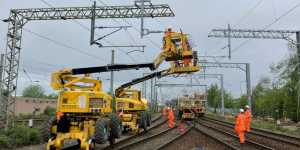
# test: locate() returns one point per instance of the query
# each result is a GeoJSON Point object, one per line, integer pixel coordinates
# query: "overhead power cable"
{"type": "Point", "coordinates": [27, 76]}
{"type": "Point", "coordinates": [95, 34]}
{"type": "Point", "coordinates": [128, 34]}
{"type": "Point", "coordinates": [262, 30]}
{"type": "Point", "coordinates": [135, 28]}
{"type": "Point", "coordinates": [160, 23]}
{"type": "Point", "coordinates": [237, 24]}
{"type": "Point", "coordinates": [65, 45]}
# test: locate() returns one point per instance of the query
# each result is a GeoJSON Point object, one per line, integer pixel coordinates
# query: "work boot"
{"type": "Point", "coordinates": [241, 145]}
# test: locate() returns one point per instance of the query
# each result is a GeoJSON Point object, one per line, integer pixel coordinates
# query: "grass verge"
{"type": "Point", "coordinates": [257, 124]}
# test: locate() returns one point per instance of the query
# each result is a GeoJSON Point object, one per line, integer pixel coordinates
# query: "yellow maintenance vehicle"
{"type": "Point", "coordinates": [190, 107]}
{"type": "Point", "coordinates": [88, 116]}
{"type": "Point", "coordinates": [186, 107]}
{"type": "Point", "coordinates": [177, 50]}
{"type": "Point", "coordinates": [199, 105]}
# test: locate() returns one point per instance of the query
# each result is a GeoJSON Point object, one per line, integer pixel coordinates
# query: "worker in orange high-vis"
{"type": "Point", "coordinates": [240, 127]}
{"type": "Point", "coordinates": [164, 111]}
{"type": "Point", "coordinates": [248, 119]}
{"type": "Point", "coordinates": [58, 115]}
{"type": "Point", "coordinates": [171, 117]}
{"type": "Point", "coordinates": [203, 95]}
{"type": "Point", "coordinates": [186, 62]}
{"type": "Point", "coordinates": [169, 31]}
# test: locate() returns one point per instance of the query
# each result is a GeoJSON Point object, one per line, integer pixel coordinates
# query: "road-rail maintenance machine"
{"type": "Point", "coordinates": [88, 116]}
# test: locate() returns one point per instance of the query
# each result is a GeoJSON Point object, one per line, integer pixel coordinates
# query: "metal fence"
{"type": "Point", "coordinates": [227, 110]}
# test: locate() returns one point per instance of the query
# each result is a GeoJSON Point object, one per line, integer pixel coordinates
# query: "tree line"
{"type": "Point", "coordinates": [278, 91]}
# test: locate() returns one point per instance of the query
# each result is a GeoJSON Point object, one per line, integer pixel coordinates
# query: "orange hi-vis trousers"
{"type": "Point", "coordinates": [242, 137]}
{"type": "Point", "coordinates": [171, 122]}
{"type": "Point", "coordinates": [186, 63]}
{"type": "Point", "coordinates": [247, 126]}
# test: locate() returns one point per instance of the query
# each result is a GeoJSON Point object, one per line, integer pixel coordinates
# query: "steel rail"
{"type": "Point", "coordinates": [235, 136]}
{"type": "Point", "coordinates": [188, 130]}
{"type": "Point", "coordinates": [257, 132]}
{"type": "Point", "coordinates": [128, 146]}
{"type": "Point", "coordinates": [114, 146]}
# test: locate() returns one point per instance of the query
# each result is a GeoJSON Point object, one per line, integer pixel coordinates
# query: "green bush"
{"type": "Point", "coordinates": [19, 135]}
{"type": "Point", "coordinates": [50, 111]}
{"type": "Point", "coordinates": [33, 135]}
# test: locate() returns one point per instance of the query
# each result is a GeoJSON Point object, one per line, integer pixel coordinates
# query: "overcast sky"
{"type": "Point", "coordinates": [196, 17]}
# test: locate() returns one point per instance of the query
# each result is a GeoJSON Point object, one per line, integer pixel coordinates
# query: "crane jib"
{"type": "Point", "coordinates": [114, 67]}
{"type": "Point", "coordinates": [138, 80]}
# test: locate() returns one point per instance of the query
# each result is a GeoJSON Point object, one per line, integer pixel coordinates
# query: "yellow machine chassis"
{"type": "Point", "coordinates": [188, 115]}
{"type": "Point", "coordinates": [75, 133]}
{"type": "Point", "coordinates": [130, 120]}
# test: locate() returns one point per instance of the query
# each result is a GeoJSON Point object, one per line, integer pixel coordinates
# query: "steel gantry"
{"type": "Point", "coordinates": [19, 17]}
{"type": "Point", "coordinates": [201, 76]}
{"type": "Point", "coordinates": [262, 34]}
{"type": "Point", "coordinates": [243, 66]}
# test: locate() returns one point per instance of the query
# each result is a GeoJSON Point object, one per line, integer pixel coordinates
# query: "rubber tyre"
{"type": "Point", "coordinates": [46, 128]}
{"type": "Point", "coordinates": [148, 119]}
{"type": "Point", "coordinates": [143, 120]}
{"type": "Point", "coordinates": [116, 125]}
{"type": "Point", "coordinates": [100, 136]}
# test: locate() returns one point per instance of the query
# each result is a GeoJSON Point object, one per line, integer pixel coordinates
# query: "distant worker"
{"type": "Point", "coordinates": [195, 94]}
{"type": "Point", "coordinates": [191, 96]}
{"type": "Point", "coordinates": [171, 117]}
{"type": "Point", "coordinates": [203, 95]}
{"type": "Point", "coordinates": [186, 96]}
{"type": "Point", "coordinates": [59, 114]}
{"type": "Point", "coordinates": [186, 62]}
{"type": "Point", "coordinates": [121, 114]}
{"type": "Point", "coordinates": [248, 119]}
{"type": "Point", "coordinates": [165, 111]}
{"type": "Point", "coordinates": [169, 31]}
{"type": "Point", "coordinates": [240, 127]}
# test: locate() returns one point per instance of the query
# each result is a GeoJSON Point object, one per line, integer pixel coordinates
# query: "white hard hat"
{"type": "Point", "coordinates": [195, 91]}
{"type": "Point", "coordinates": [169, 27]}
{"type": "Point", "coordinates": [247, 106]}
{"type": "Point", "coordinates": [241, 110]}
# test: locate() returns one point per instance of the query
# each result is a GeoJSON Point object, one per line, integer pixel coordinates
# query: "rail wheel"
{"type": "Point", "coordinates": [47, 127]}
{"type": "Point", "coordinates": [143, 121]}
{"type": "Point", "coordinates": [92, 145]}
{"type": "Point", "coordinates": [101, 131]}
{"type": "Point", "coordinates": [148, 119]}
{"type": "Point", "coordinates": [112, 140]}
{"type": "Point", "coordinates": [116, 125]}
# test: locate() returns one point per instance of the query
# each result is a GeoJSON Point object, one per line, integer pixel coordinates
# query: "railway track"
{"type": "Point", "coordinates": [77, 146]}
{"type": "Point", "coordinates": [195, 137]}
{"type": "Point", "coordinates": [229, 138]}
{"type": "Point", "coordinates": [153, 141]}
{"type": "Point", "coordinates": [271, 139]}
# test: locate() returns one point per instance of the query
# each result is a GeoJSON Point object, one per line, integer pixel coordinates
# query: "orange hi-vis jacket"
{"type": "Point", "coordinates": [170, 114]}
{"type": "Point", "coordinates": [185, 47]}
{"type": "Point", "coordinates": [248, 115]}
{"type": "Point", "coordinates": [240, 123]}
{"type": "Point", "coordinates": [195, 93]}
{"type": "Point", "coordinates": [59, 114]}
{"type": "Point", "coordinates": [170, 31]}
